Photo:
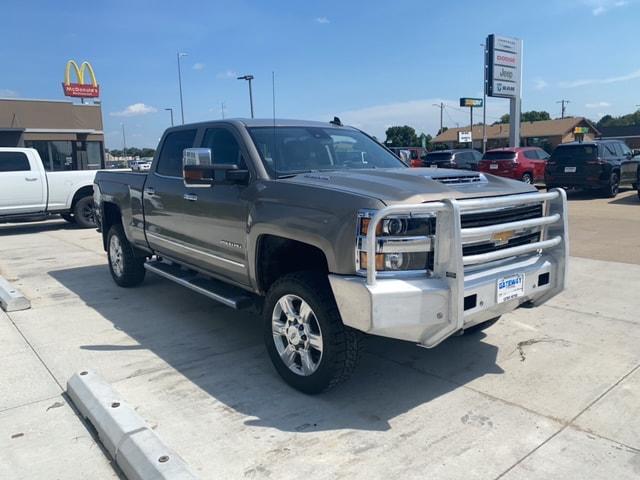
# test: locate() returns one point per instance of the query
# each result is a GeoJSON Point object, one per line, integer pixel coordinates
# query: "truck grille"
{"type": "Point", "coordinates": [503, 215]}
{"type": "Point", "coordinates": [492, 247]}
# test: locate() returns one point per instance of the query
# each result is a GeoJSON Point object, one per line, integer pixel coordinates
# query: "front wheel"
{"type": "Point", "coordinates": [307, 342]}
{"type": "Point", "coordinates": [127, 269]}
{"type": "Point", "coordinates": [84, 212]}
{"type": "Point", "coordinates": [527, 178]}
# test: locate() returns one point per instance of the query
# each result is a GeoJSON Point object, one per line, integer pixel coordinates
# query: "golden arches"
{"type": "Point", "coordinates": [79, 73]}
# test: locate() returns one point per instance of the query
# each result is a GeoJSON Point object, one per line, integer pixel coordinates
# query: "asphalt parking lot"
{"type": "Point", "coordinates": [552, 392]}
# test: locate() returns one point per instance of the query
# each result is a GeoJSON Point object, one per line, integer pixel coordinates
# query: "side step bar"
{"type": "Point", "coordinates": [217, 290]}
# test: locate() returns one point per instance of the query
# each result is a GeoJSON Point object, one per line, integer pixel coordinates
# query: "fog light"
{"type": "Point", "coordinates": [393, 261]}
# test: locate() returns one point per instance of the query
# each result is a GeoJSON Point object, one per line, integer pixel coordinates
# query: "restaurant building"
{"type": "Point", "coordinates": [68, 136]}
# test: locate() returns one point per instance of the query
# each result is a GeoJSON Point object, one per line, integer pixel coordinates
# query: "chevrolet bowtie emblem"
{"type": "Point", "coordinates": [502, 237]}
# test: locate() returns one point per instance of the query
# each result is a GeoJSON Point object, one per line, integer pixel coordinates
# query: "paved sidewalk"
{"type": "Point", "coordinates": [552, 392]}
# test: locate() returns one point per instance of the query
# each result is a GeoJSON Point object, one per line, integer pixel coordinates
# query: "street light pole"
{"type": "Point", "coordinates": [248, 78]}
{"type": "Point", "coordinates": [484, 102]}
{"type": "Point", "coordinates": [170, 110]}
{"type": "Point", "coordinates": [180, 55]}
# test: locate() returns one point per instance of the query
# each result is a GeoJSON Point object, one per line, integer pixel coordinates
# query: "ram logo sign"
{"type": "Point", "coordinates": [80, 88]}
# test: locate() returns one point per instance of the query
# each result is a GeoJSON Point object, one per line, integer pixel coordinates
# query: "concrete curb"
{"type": "Point", "coordinates": [12, 299]}
{"type": "Point", "coordinates": [136, 449]}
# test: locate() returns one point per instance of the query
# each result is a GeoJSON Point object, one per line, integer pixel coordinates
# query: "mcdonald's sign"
{"type": "Point", "coordinates": [80, 89]}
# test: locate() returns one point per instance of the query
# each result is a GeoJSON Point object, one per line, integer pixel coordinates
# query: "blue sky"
{"type": "Point", "coordinates": [372, 63]}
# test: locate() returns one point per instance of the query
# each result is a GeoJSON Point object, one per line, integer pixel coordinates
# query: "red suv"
{"type": "Point", "coordinates": [521, 163]}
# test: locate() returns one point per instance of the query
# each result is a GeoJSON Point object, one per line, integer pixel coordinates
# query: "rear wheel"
{"type": "Point", "coordinates": [611, 190]}
{"type": "Point", "coordinates": [127, 269]}
{"type": "Point", "coordinates": [84, 212]}
{"type": "Point", "coordinates": [307, 342]}
{"type": "Point", "coordinates": [527, 178]}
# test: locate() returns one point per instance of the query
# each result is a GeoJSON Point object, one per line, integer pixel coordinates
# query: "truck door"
{"type": "Point", "coordinates": [216, 216]}
{"type": "Point", "coordinates": [163, 196]}
{"type": "Point", "coordinates": [629, 165]}
{"type": "Point", "coordinates": [22, 183]}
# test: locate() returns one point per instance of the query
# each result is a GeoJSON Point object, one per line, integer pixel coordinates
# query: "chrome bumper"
{"type": "Point", "coordinates": [429, 309]}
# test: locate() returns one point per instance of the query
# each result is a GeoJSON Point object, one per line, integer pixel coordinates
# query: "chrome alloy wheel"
{"type": "Point", "coordinates": [116, 255]}
{"type": "Point", "coordinates": [297, 335]}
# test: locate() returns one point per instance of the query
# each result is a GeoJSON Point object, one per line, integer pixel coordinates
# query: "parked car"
{"type": "Point", "coordinates": [601, 165]}
{"type": "Point", "coordinates": [464, 158]}
{"type": "Point", "coordinates": [140, 166]}
{"type": "Point", "coordinates": [409, 155]}
{"type": "Point", "coordinates": [328, 235]}
{"type": "Point", "coordinates": [526, 164]}
{"type": "Point", "coordinates": [27, 191]}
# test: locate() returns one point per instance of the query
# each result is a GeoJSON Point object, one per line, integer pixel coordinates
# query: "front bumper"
{"type": "Point", "coordinates": [462, 291]}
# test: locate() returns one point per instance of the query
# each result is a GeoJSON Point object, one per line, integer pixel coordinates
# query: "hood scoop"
{"type": "Point", "coordinates": [459, 179]}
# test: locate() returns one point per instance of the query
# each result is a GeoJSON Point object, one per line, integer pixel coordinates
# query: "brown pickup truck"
{"type": "Point", "coordinates": [329, 235]}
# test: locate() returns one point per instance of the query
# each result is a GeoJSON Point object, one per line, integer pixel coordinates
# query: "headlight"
{"type": "Point", "coordinates": [403, 242]}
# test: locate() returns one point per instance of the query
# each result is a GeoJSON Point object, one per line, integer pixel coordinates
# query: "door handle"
{"type": "Point", "coordinates": [30, 179]}
{"type": "Point", "coordinates": [192, 197]}
{"type": "Point", "coordinates": [150, 191]}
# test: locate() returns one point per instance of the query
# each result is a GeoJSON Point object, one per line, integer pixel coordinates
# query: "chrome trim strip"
{"type": "Point", "coordinates": [500, 227]}
{"type": "Point", "coordinates": [195, 250]}
{"type": "Point", "coordinates": [510, 252]}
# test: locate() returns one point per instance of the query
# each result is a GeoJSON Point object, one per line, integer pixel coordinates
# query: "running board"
{"type": "Point", "coordinates": [217, 290]}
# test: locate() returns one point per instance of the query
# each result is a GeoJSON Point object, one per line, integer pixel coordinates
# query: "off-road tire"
{"type": "Point", "coordinates": [132, 271]}
{"type": "Point", "coordinates": [83, 213]}
{"type": "Point", "coordinates": [67, 217]}
{"type": "Point", "coordinates": [611, 190]}
{"type": "Point", "coordinates": [480, 326]}
{"type": "Point", "coordinates": [341, 345]}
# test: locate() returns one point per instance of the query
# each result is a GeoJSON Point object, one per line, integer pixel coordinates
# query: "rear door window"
{"type": "Point", "coordinates": [499, 156]}
{"type": "Point", "coordinates": [531, 154]}
{"type": "Point", "coordinates": [170, 159]}
{"type": "Point", "coordinates": [575, 153]}
{"type": "Point", "coordinates": [14, 162]}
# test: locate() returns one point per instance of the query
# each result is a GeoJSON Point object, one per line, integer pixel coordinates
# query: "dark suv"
{"type": "Point", "coordinates": [466, 159]}
{"type": "Point", "coordinates": [601, 165]}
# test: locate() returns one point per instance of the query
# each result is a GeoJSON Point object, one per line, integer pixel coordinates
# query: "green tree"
{"type": "Point", "coordinates": [442, 130]}
{"type": "Point", "coordinates": [404, 136]}
{"type": "Point", "coordinates": [530, 116]}
{"type": "Point", "coordinates": [426, 139]}
{"type": "Point", "coordinates": [631, 119]}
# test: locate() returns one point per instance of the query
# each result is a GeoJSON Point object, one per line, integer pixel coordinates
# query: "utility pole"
{"type": "Point", "coordinates": [484, 101]}
{"type": "Point", "coordinates": [180, 55]}
{"type": "Point", "coordinates": [170, 110]}
{"type": "Point", "coordinates": [441, 107]}
{"type": "Point", "coordinates": [124, 143]}
{"type": "Point", "coordinates": [563, 102]}
{"type": "Point", "coordinates": [248, 78]}
{"type": "Point", "coordinates": [222, 109]}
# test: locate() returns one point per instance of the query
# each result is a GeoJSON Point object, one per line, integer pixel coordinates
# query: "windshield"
{"type": "Point", "coordinates": [291, 150]}
{"type": "Point", "coordinates": [575, 153]}
{"type": "Point", "coordinates": [439, 156]}
{"type": "Point", "coordinates": [499, 156]}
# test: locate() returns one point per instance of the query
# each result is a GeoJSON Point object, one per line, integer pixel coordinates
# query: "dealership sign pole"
{"type": "Point", "coordinates": [504, 78]}
{"type": "Point", "coordinates": [471, 102]}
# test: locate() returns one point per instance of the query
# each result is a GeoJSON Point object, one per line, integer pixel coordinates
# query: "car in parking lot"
{"type": "Point", "coordinates": [463, 158]}
{"type": "Point", "coordinates": [526, 164]}
{"type": "Point", "coordinates": [599, 165]}
{"type": "Point", "coordinates": [328, 234]}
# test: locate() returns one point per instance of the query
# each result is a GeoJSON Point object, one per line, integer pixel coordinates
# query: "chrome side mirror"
{"type": "Point", "coordinates": [197, 167]}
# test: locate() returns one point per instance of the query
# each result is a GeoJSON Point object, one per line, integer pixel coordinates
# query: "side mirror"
{"type": "Point", "coordinates": [197, 167]}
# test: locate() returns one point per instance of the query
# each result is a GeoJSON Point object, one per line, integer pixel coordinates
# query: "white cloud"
{"type": "Point", "coordinates": [539, 84]}
{"type": "Point", "coordinates": [600, 81]}
{"type": "Point", "coordinates": [598, 105]}
{"type": "Point", "coordinates": [198, 66]}
{"type": "Point", "coordinates": [322, 20]}
{"type": "Point", "coordinates": [227, 74]}
{"type": "Point", "coordinates": [419, 114]}
{"type": "Point", "coordinates": [7, 93]}
{"type": "Point", "coordinates": [599, 7]}
{"type": "Point", "coordinates": [135, 110]}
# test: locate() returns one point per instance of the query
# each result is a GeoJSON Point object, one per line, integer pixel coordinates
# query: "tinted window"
{"type": "Point", "coordinates": [13, 162]}
{"type": "Point", "coordinates": [532, 154]}
{"type": "Point", "coordinates": [499, 156]}
{"type": "Point", "coordinates": [625, 150]}
{"type": "Point", "coordinates": [477, 156]}
{"type": "Point", "coordinates": [170, 160]}
{"type": "Point", "coordinates": [439, 156]}
{"type": "Point", "coordinates": [609, 151]}
{"type": "Point", "coordinates": [575, 153]}
{"type": "Point", "coordinates": [224, 147]}
{"type": "Point", "coordinates": [542, 154]}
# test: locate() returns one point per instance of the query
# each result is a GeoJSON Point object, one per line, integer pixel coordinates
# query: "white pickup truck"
{"type": "Point", "coordinates": [28, 191]}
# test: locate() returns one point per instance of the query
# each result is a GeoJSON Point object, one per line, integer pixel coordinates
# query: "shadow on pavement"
{"type": "Point", "coordinates": [626, 200]}
{"type": "Point", "coordinates": [35, 227]}
{"type": "Point", "coordinates": [220, 351]}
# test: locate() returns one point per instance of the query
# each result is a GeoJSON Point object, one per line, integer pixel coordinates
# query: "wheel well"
{"type": "Point", "coordinates": [110, 216]}
{"type": "Point", "coordinates": [277, 256]}
{"type": "Point", "coordinates": [86, 191]}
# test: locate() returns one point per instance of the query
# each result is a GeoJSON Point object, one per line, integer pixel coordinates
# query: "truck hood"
{"type": "Point", "coordinates": [413, 185]}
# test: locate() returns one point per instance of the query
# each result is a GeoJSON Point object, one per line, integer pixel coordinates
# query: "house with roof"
{"type": "Point", "coordinates": [545, 134]}
{"type": "Point", "coordinates": [630, 134]}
